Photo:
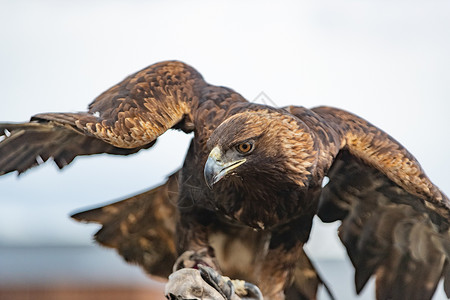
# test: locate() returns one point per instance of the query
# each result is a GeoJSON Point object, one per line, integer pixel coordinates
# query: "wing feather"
{"type": "Point", "coordinates": [141, 228]}
{"type": "Point", "coordinates": [395, 221]}
{"type": "Point", "coordinates": [29, 144]}
{"type": "Point", "coordinates": [379, 150]}
{"type": "Point", "coordinates": [145, 105]}
{"type": "Point", "coordinates": [124, 119]}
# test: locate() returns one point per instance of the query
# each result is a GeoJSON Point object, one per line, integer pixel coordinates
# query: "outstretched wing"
{"type": "Point", "coordinates": [141, 228]}
{"type": "Point", "coordinates": [124, 119]}
{"type": "Point", "coordinates": [395, 221]}
{"type": "Point", "coordinates": [23, 146]}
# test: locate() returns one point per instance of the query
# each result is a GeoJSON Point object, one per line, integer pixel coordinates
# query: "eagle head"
{"type": "Point", "coordinates": [269, 146]}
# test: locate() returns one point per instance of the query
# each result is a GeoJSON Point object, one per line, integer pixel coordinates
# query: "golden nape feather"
{"type": "Point", "coordinates": [251, 183]}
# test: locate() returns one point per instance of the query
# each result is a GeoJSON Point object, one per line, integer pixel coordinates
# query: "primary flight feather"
{"type": "Point", "coordinates": [251, 183]}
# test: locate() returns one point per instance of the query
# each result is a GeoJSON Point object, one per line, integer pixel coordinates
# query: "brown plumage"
{"type": "Point", "coordinates": [250, 186]}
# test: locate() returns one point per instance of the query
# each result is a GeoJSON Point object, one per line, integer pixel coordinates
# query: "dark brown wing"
{"type": "Point", "coordinates": [124, 119]}
{"type": "Point", "coordinates": [395, 222]}
{"type": "Point", "coordinates": [141, 228]}
{"type": "Point", "coordinates": [26, 145]}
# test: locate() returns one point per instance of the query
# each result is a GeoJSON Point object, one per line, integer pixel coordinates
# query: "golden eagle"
{"type": "Point", "coordinates": [251, 183]}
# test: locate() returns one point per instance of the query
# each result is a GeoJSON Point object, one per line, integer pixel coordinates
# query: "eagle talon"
{"type": "Point", "coordinates": [250, 290]}
{"type": "Point", "coordinates": [222, 284]}
{"type": "Point", "coordinates": [207, 284]}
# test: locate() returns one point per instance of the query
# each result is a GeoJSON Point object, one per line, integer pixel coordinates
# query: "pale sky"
{"type": "Point", "coordinates": [386, 61]}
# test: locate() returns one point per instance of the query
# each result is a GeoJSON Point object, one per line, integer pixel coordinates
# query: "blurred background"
{"type": "Point", "coordinates": [386, 61]}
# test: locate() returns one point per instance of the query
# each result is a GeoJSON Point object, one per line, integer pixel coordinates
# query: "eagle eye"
{"type": "Point", "coordinates": [245, 147]}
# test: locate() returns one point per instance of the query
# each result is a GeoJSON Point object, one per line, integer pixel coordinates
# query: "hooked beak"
{"type": "Point", "coordinates": [216, 168]}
